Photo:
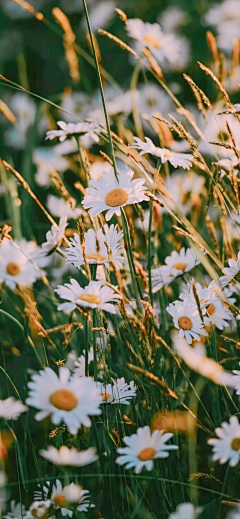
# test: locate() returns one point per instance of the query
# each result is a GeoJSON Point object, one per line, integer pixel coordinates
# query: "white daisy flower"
{"type": "Point", "coordinates": [69, 129]}
{"type": "Point", "coordinates": [232, 273]}
{"type": "Point", "coordinates": [196, 358]}
{"type": "Point", "coordinates": [54, 239]}
{"type": "Point", "coordinates": [111, 194]}
{"type": "Point", "coordinates": [94, 295]}
{"type": "Point", "coordinates": [236, 378]}
{"type": "Point", "coordinates": [70, 457]}
{"type": "Point", "coordinates": [166, 48]}
{"type": "Point", "coordinates": [97, 167]}
{"type": "Point", "coordinates": [173, 18]}
{"type": "Point", "coordinates": [96, 251]}
{"type": "Point", "coordinates": [61, 207]}
{"type": "Point", "coordinates": [15, 267]}
{"type": "Point", "coordinates": [186, 511]}
{"type": "Point", "coordinates": [187, 320]}
{"type": "Point", "coordinates": [68, 399]}
{"type": "Point", "coordinates": [118, 392]}
{"type": "Point", "coordinates": [225, 17]}
{"type": "Point", "coordinates": [64, 497]}
{"type": "Point", "coordinates": [144, 447]}
{"type": "Point", "coordinates": [46, 159]}
{"type": "Point", "coordinates": [39, 509]}
{"type": "Point", "coordinates": [215, 129]}
{"type": "Point", "coordinates": [182, 160]}
{"type": "Point", "coordinates": [177, 264]}
{"type": "Point", "coordinates": [184, 189]}
{"type": "Point", "coordinates": [24, 108]}
{"type": "Point", "coordinates": [11, 409]}
{"type": "Point", "coordinates": [17, 511]}
{"type": "Point", "coordinates": [77, 364]}
{"type": "Point", "coordinates": [227, 445]}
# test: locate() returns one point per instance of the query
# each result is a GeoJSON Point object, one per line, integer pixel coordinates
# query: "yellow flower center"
{"type": "Point", "coordinates": [211, 309]}
{"type": "Point", "coordinates": [38, 513]}
{"type": "Point", "coordinates": [147, 454]}
{"type": "Point", "coordinates": [116, 197]}
{"type": "Point", "coordinates": [59, 499]}
{"type": "Point", "coordinates": [223, 136]}
{"type": "Point", "coordinates": [105, 396]}
{"type": "Point", "coordinates": [96, 256]}
{"type": "Point", "coordinates": [13, 269]}
{"type": "Point", "coordinates": [167, 154]}
{"type": "Point", "coordinates": [64, 399]}
{"type": "Point", "coordinates": [185, 322]}
{"type": "Point", "coordinates": [90, 298]}
{"type": "Point", "coordinates": [151, 101]}
{"type": "Point", "coordinates": [180, 266]}
{"type": "Point", "coordinates": [235, 444]}
{"type": "Point", "coordinates": [152, 40]}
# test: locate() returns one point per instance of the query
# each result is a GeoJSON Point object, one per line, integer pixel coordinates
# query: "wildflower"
{"type": "Point", "coordinates": [144, 447]}
{"type": "Point", "coordinates": [15, 267]}
{"type": "Point", "coordinates": [111, 194]}
{"type": "Point", "coordinates": [236, 378]}
{"type": "Point", "coordinates": [96, 251]}
{"type": "Point", "coordinates": [173, 18]}
{"type": "Point", "coordinates": [185, 511]}
{"type": "Point", "coordinates": [118, 392]}
{"type": "Point", "coordinates": [232, 273]}
{"type": "Point", "coordinates": [177, 264]}
{"type": "Point", "coordinates": [187, 320]}
{"type": "Point", "coordinates": [227, 445]}
{"type": "Point", "coordinates": [54, 239]}
{"type": "Point", "coordinates": [24, 108]}
{"type": "Point", "coordinates": [166, 48]}
{"type": "Point", "coordinates": [215, 129]}
{"type": "Point", "coordinates": [93, 296]}
{"type": "Point", "coordinates": [185, 190]}
{"type": "Point", "coordinates": [70, 457]}
{"type": "Point", "coordinates": [64, 497]}
{"type": "Point", "coordinates": [66, 398]}
{"type": "Point", "coordinates": [10, 409]}
{"type": "Point", "coordinates": [196, 358]}
{"type": "Point", "coordinates": [17, 511]}
{"type": "Point", "coordinates": [225, 17]}
{"type": "Point", "coordinates": [182, 160]}
{"type": "Point", "coordinates": [46, 159]}
{"type": "Point", "coordinates": [60, 207]}
{"type": "Point", "coordinates": [39, 509]}
{"type": "Point", "coordinates": [70, 129]}
{"type": "Point", "coordinates": [152, 100]}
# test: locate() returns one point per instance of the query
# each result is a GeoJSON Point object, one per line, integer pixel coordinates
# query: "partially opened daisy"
{"type": "Point", "coordinates": [111, 194]}
{"type": "Point", "coordinates": [96, 247]}
{"type": "Point", "coordinates": [69, 457]}
{"type": "Point", "coordinates": [144, 447]}
{"type": "Point", "coordinates": [15, 267]}
{"type": "Point", "coordinates": [182, 160]}
{"type": "Point", "coordinates": [227, 446]}
{"type": "Point", "coordinates": [63, 497]}
{"type": "Point", "coordinates": [232, 273]}
{"type": "Point", "coordinates": [54, 239]}
{"type": "Point", "coordinates": [187, 320]}
{"type": "Point", "coordinates": [70, 129]}
{"type": "Point", "coordinates": [186, 511]}
{"type": "Point", "coordinates": [176, 264]}
{"type": "Point", "coordinates": [68, 399]}
{"type": "Point", "coordinates": [39, 509]}
{"type": "Point", "coordinates": [11, 408]}
{"type": "Point", "coordinates": [95, 295]}
{"type": "Point", "coordinates": [118, 392]}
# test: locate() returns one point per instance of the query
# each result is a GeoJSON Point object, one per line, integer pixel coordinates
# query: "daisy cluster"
{"type": "Point", "coordinates": [120, 265]}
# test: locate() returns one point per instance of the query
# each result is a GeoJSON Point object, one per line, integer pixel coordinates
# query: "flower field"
{"type": "Point", "coordinates": [119, 259]}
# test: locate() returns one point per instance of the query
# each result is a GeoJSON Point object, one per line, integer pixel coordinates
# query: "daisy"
{"type": "Point", "coordinates": [24, 108]}
{"type": "Point", "coordinates": [60, 207]}
{"type": "Point", "coordinates": [111, 194]}
{"type": "Point", "coordinates": [15, 267]}
{"type": "Point", "coordinates": [17, 511]}
{"type": "Point", "coordinates": [196, 358]}
{"type": "Point", "coordinates": [236, 378]}
{"type": "Point", "coordinates": [70, 129]}
{"type": "Point", "coordinates": [10, 409]}
{"type": "Point", "coordinates": [39, 509]}
{"type": "Point", "coordinates": [70, 457]}
{"type": "Point", "coordinates": [177, 264]}
{"type": "Point", "coordinates": [64, 497]}
{"type": "Point", "coordinates": [68, 399]}
{"type": "Point", "coordinates": [182, 160]}
{"type": "Point", "coordinates": [185, 190]}
{"type": "Point", "coordinates": [46, 159]}
{"type": "Point", "coordinates": [225, 17]}
{"type": "Point", "coordinates": [227, 445]}
{"type": "Point", "coordinates": [166, 48]}
{"type": "Point", "coordinates": [173, 18]}
{"type": "Point", "coordinates": [77, 364]}
{"type": "Point", "coordinates": [232, 273]}
{"type": "Point", "coordinates": [187, 320]}
{"type": "Point", "coordinates": [186, 511]}
{"type": "Point", "coordinates": [94, 295]}
{"type": "Point", "coordinates": [96, 251]}
{"type": "Point", "coordinates": [144, 447]}
{"type": "Point", "coordinates": [119, 392]}
{"type": "Point", "coordinates": [54, 239]}
{"type": "Point", "coordinates": [215, 129]}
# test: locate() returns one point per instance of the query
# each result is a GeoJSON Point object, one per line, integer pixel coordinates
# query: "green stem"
{"type": "Point", "coordinates": [81, 159]}
{"type": "Point", "coordinates": [86, 346]}
{"type": "Point", "coordinates": [101, 88]}
{"type": "Point", "coordinates": [134, 275]}
{"type": "Point", "coordinates": [95, 361]}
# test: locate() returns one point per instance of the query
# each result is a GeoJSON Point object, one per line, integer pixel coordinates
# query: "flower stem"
{"type": "Point", "coordinates": [95, 362]}
{"type": "Point", "coordinates": [86, 345]}
{"type": "Point", "coordinates": [135, 280]}
{"type": "Point", "coordinates": [101, 88]}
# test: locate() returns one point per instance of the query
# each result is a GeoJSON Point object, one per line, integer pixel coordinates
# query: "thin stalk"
{"type": "Point", "coordinates": [86, 346]}
{"type": "Point", "coordinates": [150, 252]}
{"type": "Point", "coordinates": [130, 256]}
{"type": "Point", "coordinates": [95, 361]}
{"type": "Point", "coordinates": [81, 159]}
{"type": "Point", "coordinates": [101, 88]}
